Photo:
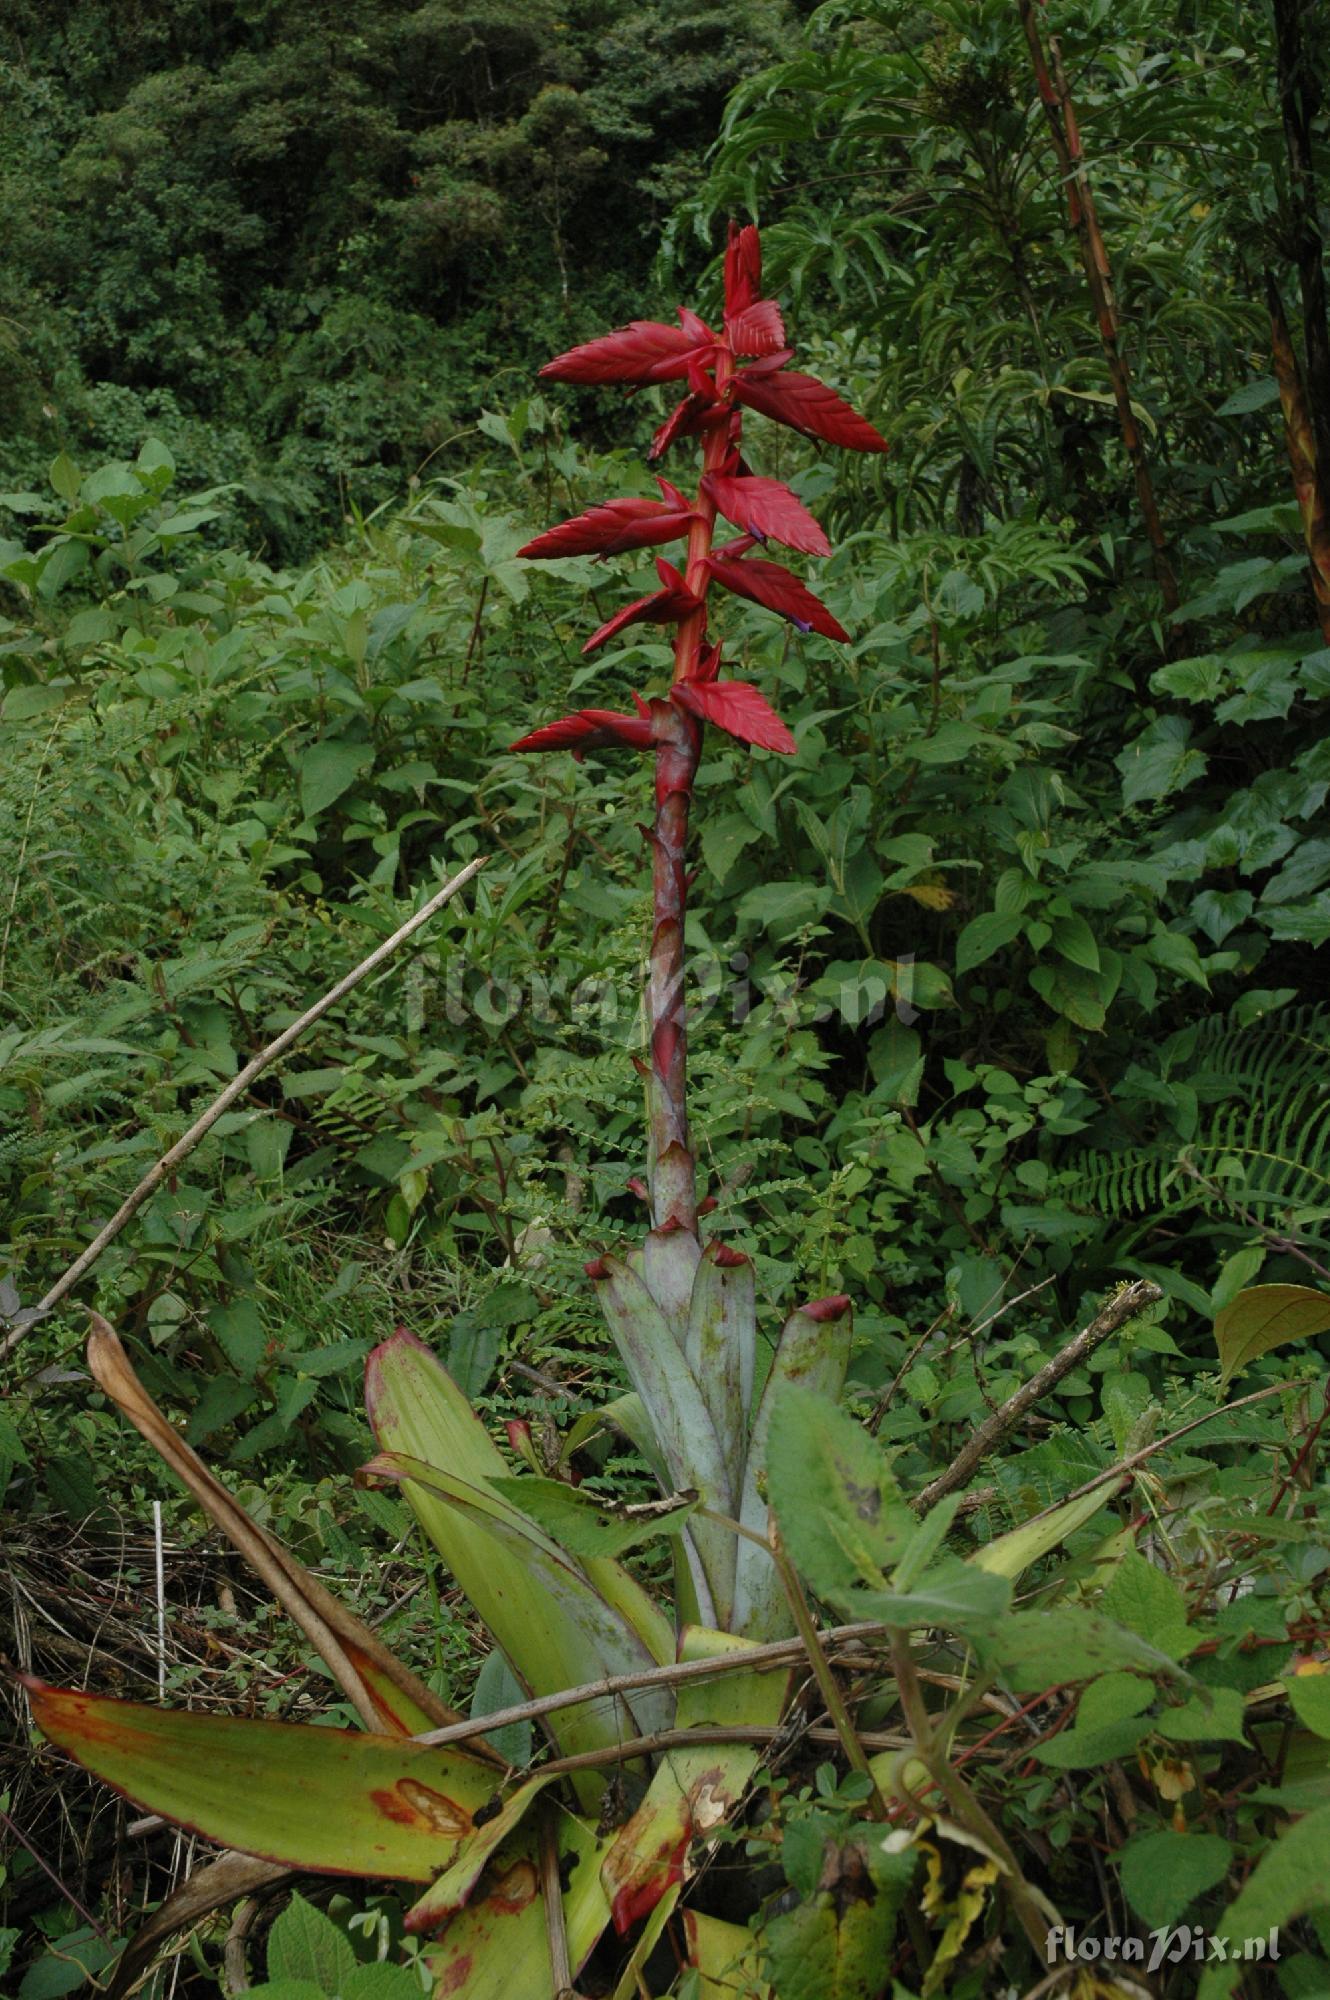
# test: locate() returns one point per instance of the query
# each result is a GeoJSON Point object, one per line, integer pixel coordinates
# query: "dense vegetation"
{"type": "Point", "coordinates": [1008, 983]}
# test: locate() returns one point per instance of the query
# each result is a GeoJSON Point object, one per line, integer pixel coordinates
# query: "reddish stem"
{"type": "Point", "coordinates": [672, 1171]}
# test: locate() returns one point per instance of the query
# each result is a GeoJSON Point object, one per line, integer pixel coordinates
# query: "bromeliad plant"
{"type": "Point", "coordinates": [654, 1723]}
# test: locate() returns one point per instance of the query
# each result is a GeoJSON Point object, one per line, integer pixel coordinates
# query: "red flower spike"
{"type": "Point", "coordinates": [766, 583]}
{"type": "Point", "coordinates": [614, 526]}
{"type": "Point", "coordinates": [743, 269]}
{"type": "Point", "coordinates": [765, 508]}
{"type": "Point", "coordinates": [664, 607]}
{"type": "Point", "coordinates": [590, 729]}
{"type": "Point", "coordinates": [758, 329]}
{"type": "Point", "coordinates": [737, 708]}
{"type": "Point", "coordinates": [806, 405]}
{"type": "Point", "coordinates": [644, 351]}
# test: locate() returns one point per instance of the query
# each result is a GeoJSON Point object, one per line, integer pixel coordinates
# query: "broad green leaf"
{"type": "Point", "coordinates": [584, 1523]}
{"type": "Point", "coordinates": [1149, 1603]}
{"type": "Point", "coordinates": [1109, 1724]}
{"type": "Point", "coordinates": [1160, 762]}
{"type": "Point", "coordinates": [811, 1359]}
{"type": "Point", "coordinates": [1013, 1553]}
{"type": "Point", "coordinates": [1067, 1643]}
{"type": "Point", "coordinates": [338, 1801]}
{"type": "Point", "coordinates": [328, 769]}
{"type": "Point", "coordinates": [1287, 1882]}
{"type": "Point", "coordinates": [1074, 939]}
{"type": "Point", "coordinates": [1162, 1873]}
{"type": "Point", "coordinates": [720, 1346]}
{"type": "Point", "coordinates": [1214, 1715]}
{"type": "Point", "coordinates": [839, 1509]}
{"type": "Point", "coordinates": [1265, 1317]}
{"type": "Point", "coordinates": [305, 1944]}
{"type": "Point", "coordinates": [1310, 1696]}
{"type": "Point", "coordinates": [833, 1948]}
{"type": "Point", "coordinates": [685, 1433]}
{"type": "Point", "coordinates": [954, 1595]}
{"type": "Point", "coordinates": [585, 1622]}
{"type": "Point", "coordinates": [555, 1628]}
{"type": "Point", "coordinates": [65, 477]}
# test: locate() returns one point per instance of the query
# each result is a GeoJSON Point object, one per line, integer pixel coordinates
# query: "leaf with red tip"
{"type": "Point", "coordinates": [694, 1790]}
{"type": "Point", "coordinates": [612, 527]}
{"type": "Point", "coordinates": [664, 607]}
{"type": "Point", "coordinates": [644, 351]}
{"type": "Point", "coordinates": [767, 509]}
{"type": "Point", "coordinates": [589, 729]}
{"type": "Point", "coordinates": [758, 329]}
{"type": "Point", "coordinates": [769, 584]}
{"type": "Point", "coordinates": [807, 405]}
{"type": "Point", "coordinates": [338, 1801]}
{"type": "Point", "coordinates": [743, 268]}
{"type": "Point", "coordinates": [737, 708]}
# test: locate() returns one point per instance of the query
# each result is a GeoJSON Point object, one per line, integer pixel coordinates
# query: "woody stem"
{"type": "Point", "coordinates": [672, 1170]}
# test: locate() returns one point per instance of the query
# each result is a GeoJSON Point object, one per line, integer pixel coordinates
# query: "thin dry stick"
{"type": "Point", "coordinates": [161, 1599]}
{"type": "Point", "coordinates": [561, 1971]}
{"type": "Point", "coordinates": [1124, 1305]}
{"type": "Point", "coordinates": [238, 1085]}
{"type": "Point", "coordinates": [1126, 1466]}
{"type": "Point", "coordinates": [778, 1653]}
{"type": "Point", "coordinates": [706, 1733]}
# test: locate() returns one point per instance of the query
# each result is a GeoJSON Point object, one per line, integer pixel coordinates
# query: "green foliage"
{"type": "Point", "coordinates": [300, 246]}
{"type": "Point", "coordinates": [1005, 986]}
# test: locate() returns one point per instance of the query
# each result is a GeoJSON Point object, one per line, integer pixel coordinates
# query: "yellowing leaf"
{"type": "Point", "coordinates": [338, 1801]}
{"type": "Point", "coordinates": [1264, 1317]}
{"type": "Point", "coordinates": [933, 895]}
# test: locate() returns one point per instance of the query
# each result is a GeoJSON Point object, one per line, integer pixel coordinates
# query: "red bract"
{"type": "Point", "coordinates": [807, 405]}
{"type": "Point", "coordinates": [667, 606]}
{"type": "Point", "coordinates": [737, 708]}
{"type": "Point", "coordinates": [743, 367]}
{"type": "Point", "coordinates": [616, 526]}
{"type": "Point", "coordinates": [591, 729]}
{"type": "Point", "coordinates": [646, 351]}
{"type": "Point", "coordinates": [766, 509]}
{"type": "Point", "coordinates": [779, 590]}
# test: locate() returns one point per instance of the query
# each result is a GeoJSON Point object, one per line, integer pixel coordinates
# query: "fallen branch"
{"type": "Point", "coordinates": [238, 1085]}
{"type": "Point", "coordinates": [1123, 1305]}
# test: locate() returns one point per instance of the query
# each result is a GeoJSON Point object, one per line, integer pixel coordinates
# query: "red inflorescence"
{"type": "Point", "coordinates": [744, 367]}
